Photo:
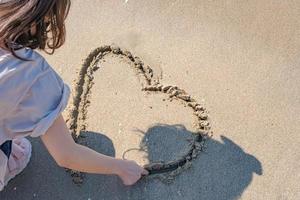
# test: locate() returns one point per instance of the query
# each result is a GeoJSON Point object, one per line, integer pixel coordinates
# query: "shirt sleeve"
{"type": "Point", "coordinates": [42, 103]}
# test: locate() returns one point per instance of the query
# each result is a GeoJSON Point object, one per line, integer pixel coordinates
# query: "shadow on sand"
{"type": "Point", "coordinates": [222, 172]}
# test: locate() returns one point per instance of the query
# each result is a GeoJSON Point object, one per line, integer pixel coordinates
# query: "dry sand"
{"type": "Point", "coordinates": [239, 58]}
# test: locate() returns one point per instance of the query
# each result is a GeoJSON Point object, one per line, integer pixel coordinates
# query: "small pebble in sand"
{"type": "Point", "coordinates": [194, 154]}
{"type": "Point", "coordinates": [166, 88]}
{"type": "Point", "coordinates": [198, 145]}
{"type": "Point", "coordinates": [127, 53]}
{"type": "Point", "coordinates": [115, 49]}
{"type": "Point", "coordinates": [192, 104]}
{"type": "Point", "coordinates": [159, 87]}
{"type": "Point", "coordinates": [203, 116]}
{"type": "Point", "coordinates": [139, 66]}
{"type": "Point", "coordinates": [199, 107]}
{"type": "Point", "coordinates": [187, 165]}
{"type": "Point", "coordinates": [149, 69]}
{"type": "Point", "coordinates": [204, 123]}
{"type": "Point", "coordinates": [95, 68]}
{"type": "Point", "coordinates": [137, 61]}
{"type": "Point", "coordinates": [184, 97]}
{"type": "Point", "coordinates": [150, 88]}
{"type": "Point", "coordinates": [174, 93]}
{"type": "Point", "coordinates": [105, 49]}
{"type": "Point", "coordinates": [170, 90]}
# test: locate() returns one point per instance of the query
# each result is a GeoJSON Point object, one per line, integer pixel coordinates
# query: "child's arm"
{"type": "Point", "coordinates": [67, 153]}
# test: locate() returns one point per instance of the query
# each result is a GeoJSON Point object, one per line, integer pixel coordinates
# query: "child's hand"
{"type": "Point", "coordinates": [130, 172]}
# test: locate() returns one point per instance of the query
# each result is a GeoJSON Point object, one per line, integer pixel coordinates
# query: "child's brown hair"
{"type": "Point", "coordinates": [46, 17]}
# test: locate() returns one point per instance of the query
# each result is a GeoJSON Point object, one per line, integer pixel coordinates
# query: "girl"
{"type": "Point", "coordinates": [32, 95]}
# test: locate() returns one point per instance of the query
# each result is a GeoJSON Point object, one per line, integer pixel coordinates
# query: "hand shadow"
{"type": "Point", "coordinates": [222, 172]}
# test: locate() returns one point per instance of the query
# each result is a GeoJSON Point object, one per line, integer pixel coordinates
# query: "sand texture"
{"type": "Point", "coordinates": [120, 99]}
{"type": "Point", "coordinates": [239, 60]}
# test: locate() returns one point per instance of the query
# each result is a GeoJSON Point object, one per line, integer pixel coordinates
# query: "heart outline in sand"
{"type": "Point", "coordinates": [78, 112]}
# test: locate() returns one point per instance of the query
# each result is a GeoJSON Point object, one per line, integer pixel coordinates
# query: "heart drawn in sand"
{"type": "Point", "coordinates": [78, 112]}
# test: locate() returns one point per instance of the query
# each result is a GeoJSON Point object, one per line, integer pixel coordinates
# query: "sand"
{"type": "Point", "coordinates": [239, 59]}
{"type": "Point", "coordinates": [115, 94]}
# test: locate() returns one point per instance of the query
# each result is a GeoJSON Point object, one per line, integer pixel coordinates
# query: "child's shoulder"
{"type": "Point", "coordinates": [17, 77]}
{"type": "Point", "coordinates": [32, 94]}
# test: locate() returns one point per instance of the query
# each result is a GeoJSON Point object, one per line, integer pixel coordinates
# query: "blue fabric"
{"type": "Point", "coordinates": [6, 148]}
{"type": "Point", "coordinates": [32, 95]}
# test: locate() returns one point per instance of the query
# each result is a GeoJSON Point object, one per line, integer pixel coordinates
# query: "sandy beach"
{"type": "Point", "coordinates": [239, 59]}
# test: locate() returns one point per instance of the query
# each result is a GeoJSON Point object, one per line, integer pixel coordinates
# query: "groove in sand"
{"type": "Point", "coordinates": [78, 112]}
